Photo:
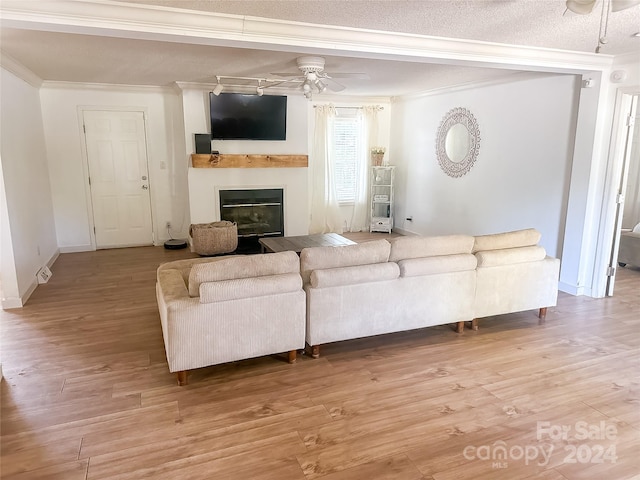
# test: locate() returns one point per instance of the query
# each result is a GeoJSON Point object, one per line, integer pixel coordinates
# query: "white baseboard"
{"type": "Point", "coordinates": [19, 302]}
{"type": "Point", "coordinates": [12, 302]}
{"type": "Point", "coordinates": [571, 289]}
{"type": "Point", "coordinates": [77, 249]}
{"type": "Point", "coordinates": [402, 231]}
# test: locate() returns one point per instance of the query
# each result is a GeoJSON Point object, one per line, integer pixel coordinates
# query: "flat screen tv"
{"type": "Point", "coordinates": [235, 116]}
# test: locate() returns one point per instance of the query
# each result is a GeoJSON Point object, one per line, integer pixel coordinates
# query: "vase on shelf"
{"type": "Point", "coordinates": [377, 159]}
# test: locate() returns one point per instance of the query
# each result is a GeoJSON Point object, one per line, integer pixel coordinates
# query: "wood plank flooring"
{"type": "Point", "coordinates": [87, 393]}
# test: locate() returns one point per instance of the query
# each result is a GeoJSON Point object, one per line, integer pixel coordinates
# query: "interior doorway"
{"type": "Point", "coordinates": [118, 178]}
{"type": "Point", "coordinates": [627, 214]}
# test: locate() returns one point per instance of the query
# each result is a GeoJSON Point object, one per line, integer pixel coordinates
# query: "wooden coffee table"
{"type": "Point", "coordinates": [296, 244]}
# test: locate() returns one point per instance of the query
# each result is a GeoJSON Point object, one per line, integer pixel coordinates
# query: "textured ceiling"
{"type": "Point", "coordinates": [540, 23]}
{"type": "Point", "coordinates": [109, 59]}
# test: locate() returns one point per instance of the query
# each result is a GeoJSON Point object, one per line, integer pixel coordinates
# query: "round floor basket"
{"type": "Point", "coordinates": [214, 238]}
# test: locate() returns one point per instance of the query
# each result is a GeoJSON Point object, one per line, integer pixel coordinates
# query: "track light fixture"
{"type": "Point", "coordinates": [218, 88]}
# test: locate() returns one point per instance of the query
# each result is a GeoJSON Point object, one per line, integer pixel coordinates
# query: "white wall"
{"type": "Point", "coordinates": [521, 176]}
{"type": "Point", "coordinates": [28, 221]}
{"type": "Point", "coordinates": [62, 105]}
{"type": "Point", "coordinates": [204, 183]}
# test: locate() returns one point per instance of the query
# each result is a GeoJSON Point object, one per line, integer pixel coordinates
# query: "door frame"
{"type": "Point", "coordinates": [609, 213]}
{"type": "Point", "coordinates": [85, 165]}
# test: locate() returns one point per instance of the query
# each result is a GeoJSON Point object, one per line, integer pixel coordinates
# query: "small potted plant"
{"type": "Point", "coordinates": [377, 154]}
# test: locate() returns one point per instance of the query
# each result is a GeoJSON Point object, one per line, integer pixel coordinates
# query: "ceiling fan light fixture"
{"type": "Point", "coordinates": [320, 86]}
{"type": "Point", "coordinates": [581, 7]}
{"type": "Point", "coordinates": [617, 5]}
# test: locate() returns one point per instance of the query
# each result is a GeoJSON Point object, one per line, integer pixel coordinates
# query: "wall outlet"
{"type": "Point", "coordinates": [168, 225]}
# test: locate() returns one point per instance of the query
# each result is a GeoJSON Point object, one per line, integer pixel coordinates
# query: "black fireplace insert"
{"type": "Point", "coordinates": [257, 213]}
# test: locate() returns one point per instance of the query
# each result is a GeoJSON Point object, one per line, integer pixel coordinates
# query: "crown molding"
{"type": "Point", "coordinates": [19, 70]}
{"type": "Point", "coordinates": [507, 78]}
{"type": "Point", "coordinates": [630, 58]}
{"type": "Point", "coordinates": [140, 21]}
{"type": "Point", "coordinates": [107, 87]}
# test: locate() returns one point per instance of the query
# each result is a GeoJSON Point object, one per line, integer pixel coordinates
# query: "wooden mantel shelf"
{"type": "Point", "coordinates": [248, 161]}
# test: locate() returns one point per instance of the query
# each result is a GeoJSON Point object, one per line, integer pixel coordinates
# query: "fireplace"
{"type": "Point", "coordinates": [257, 212]}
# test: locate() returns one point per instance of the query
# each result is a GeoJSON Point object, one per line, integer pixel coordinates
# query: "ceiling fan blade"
{"type": "Point", "coordinates": [333, 85]}
{"type": "Point", "coordinates": [287, 74]}
{"type": "Point", "coordinates": [360, 76]}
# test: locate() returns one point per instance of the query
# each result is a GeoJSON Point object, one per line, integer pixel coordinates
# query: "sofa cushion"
{"type": "Point", "coordinates": [233, 267]}
{"type": "Point", "coordinates": [498, 241]}
{"type": "Point", "coordinates": [239, 288]}
{"type": "Point", "coordinates": [184, 266]}
{"type": "Point", "coordinates": [509, 256]}
{"type": "Point", "coordinates": [414, 267]}
{"type": "Point", "coordinates": [336, 277]}
{"type": "Point", "coordinates": [316, 258]}
{"type": "Point", "coordinates": [417, 246]}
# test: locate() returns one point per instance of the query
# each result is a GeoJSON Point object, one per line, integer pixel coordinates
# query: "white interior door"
{"type": "Point", "coordinates": [118, 176]}
{"type": "Point", "coordinates": [627, 133]}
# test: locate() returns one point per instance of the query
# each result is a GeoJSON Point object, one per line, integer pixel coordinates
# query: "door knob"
{"type": "Point", "coordinates": [145, 187]}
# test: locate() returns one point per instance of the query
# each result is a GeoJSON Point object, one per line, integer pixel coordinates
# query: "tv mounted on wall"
{"type": "Point", "coordinates": [236, 116]}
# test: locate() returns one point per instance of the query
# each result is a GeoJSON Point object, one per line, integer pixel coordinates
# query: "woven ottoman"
{"type": "Point", "coordinates": [214, 238]}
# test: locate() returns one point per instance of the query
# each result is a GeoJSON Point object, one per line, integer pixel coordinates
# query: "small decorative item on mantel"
{"type": "Point", "coordinates": [377, 156]}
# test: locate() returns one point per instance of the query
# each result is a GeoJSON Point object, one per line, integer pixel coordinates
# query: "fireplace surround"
{"type": "Point", "coordinates": [257, 213]}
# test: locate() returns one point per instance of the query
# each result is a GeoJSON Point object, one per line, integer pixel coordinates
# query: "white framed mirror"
{"type": "Point", "coordinates": [457, 142]}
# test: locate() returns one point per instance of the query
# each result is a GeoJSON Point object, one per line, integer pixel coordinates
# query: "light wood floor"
{"type": "Point", "coordinates": [87, 393]}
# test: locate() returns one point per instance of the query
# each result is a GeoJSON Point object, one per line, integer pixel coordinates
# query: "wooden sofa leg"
{"type": "Point", "coordinates": [474, 324]}
{"type": "Point", "coordinates": [315, 351]}
{"type": "Point", "coordinates": [542, 315]}
{"type": "Point", "coordinates": [292, 356]}
{"type": "Point", "coordinates": [460, 327]}
{"type": "Point", "coordinates": [182, 378]}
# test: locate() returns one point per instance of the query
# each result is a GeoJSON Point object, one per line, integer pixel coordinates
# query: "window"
{"type": "Point", "coordinates": [346, 151]}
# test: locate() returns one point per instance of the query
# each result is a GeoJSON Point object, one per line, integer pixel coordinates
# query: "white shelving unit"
{"type": "Point", "coordinates": [382, 179]}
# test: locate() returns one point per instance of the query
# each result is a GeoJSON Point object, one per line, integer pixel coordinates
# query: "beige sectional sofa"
{"type": "Point", "coordinates": [217, 310]}
{"type": "Point", "coordinates": [381, 287]}
{"type": "Point", "coordinates": [629, 252]}
{"type": "Point", "coordinates": [514, 274]}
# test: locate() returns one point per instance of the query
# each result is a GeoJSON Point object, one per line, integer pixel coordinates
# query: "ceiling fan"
{"type": "Point", "coordinates": [313, 78]}
{"type": "Point", "coordinates": [584, 7]}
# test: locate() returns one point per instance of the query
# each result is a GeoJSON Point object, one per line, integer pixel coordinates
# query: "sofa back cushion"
{"type": "Point", "coordinates": [356, 274]}
{"type": "Point", "coordinates": [248, 266]}
{"type": "Point", "coordinates": [318, 258]}
{"type": "Point", "coordinates": [414, 267]}
{"type": "Point", "coordinates": [509, 256]}
{"type": "Point", "coordinates": [498, 241]}
{"type": "Point", "coordinates": [417, 246]}
{"type": "Point", "coordinates": [240, 288]}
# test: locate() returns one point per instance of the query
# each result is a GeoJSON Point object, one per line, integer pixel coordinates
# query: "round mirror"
{"type": "Point", "coordinates": [457, 142]}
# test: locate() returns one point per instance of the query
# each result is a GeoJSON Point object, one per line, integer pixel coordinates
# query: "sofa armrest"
{"type": "Point", "coordinates": [336, 277]}
{"type": "Point", "coordinates": [171, 285]}
{"type": "Point", "coordinates": [249, 287]}
{"type": "Point", "coordinates": [509, 256]}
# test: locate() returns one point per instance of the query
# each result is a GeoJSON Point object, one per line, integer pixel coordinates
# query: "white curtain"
{"type": "Point", "coordinates": [325, 212]}
{"type": "Point", "coordinates": [361, 208]}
